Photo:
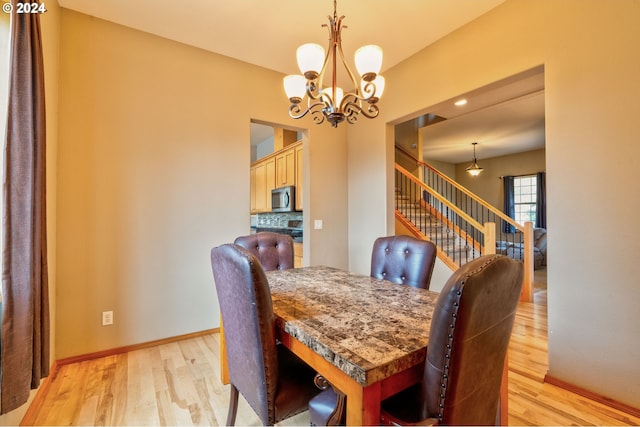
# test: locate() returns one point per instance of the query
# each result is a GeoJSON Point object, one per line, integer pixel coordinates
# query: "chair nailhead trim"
{"type": "Point", "coordinates": [449, 347]}
{"type": "Point", "coordinates": [456, 304]}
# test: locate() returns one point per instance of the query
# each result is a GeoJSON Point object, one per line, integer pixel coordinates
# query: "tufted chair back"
{"type": "Point", "coordinates": [274, 382]}
{"type": "Point", "coordinates": [403, 260]}
{"type": "Point", "coordinates": [273, 250]}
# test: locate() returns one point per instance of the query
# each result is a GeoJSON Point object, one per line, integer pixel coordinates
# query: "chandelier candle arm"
{"type": "Point", "coordinates": [332, 103]}
{"type": "Point", "coordinates": [372, 91]}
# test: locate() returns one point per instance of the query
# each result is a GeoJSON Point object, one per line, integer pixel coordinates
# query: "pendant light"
{"type": "Point", "coordinates": [474, 169]}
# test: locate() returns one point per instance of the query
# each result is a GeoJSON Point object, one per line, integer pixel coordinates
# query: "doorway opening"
{"type": "Point", "coordinates": [277, 183]}
{"type": "Point", "coordinates": [507, 121]}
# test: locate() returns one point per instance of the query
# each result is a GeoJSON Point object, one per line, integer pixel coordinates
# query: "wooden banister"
{"type": "Point", "coordinates": [460, 188]}
{"type": "Point", "coordinates": [488, 229]}
{"type": "Point", "coordinates": [527, 284]}
{"type": "Point", "coordinates": [441, 199]}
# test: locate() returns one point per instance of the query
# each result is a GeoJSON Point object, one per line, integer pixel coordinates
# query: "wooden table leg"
{"type": "Point", "coordinates": [364, 410]}
{"type": "Point", "coordinates": [362, 407]}
{"type": "Point", "coordinates": [224, 369]}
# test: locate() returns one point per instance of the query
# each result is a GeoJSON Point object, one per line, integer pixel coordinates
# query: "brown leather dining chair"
{"type": "Point", "coordinates": [400, 259]}
{"type": "Point", "coordinates": [275, 382]}
{"type": "Point", "coordinates": [273, 250]}
{"type": "Point", "coordinates": [404, 260]}
{"type": "Point", "coordinates": [468, 340]}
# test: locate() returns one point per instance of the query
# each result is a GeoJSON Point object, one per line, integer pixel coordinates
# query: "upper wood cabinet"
{"type": "Point", "coordinates": [263, 180]}
{"type": "Point", "coordinates": [286, 168]}
{"type": "Point", "coordinates": [277, 170]}
{"type": "Point", "coordinates": [298, 182]}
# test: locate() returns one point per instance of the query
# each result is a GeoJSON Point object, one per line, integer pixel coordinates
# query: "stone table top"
{"type": "Point", "coordinates": [370, 329]}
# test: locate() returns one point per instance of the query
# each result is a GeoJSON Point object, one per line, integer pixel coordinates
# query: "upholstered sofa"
{"type": "Point", "coordinates": [516, 250]}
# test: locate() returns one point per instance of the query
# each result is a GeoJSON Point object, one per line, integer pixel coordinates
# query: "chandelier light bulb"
{"type": "Point", "coordinates": [295, 87]}
{"type": "Point", "coordinates": [474, 171]}
{"type": "Point", "coordinates": [310, 58]}
{"type": "Point", "coordinates": [368, 61]}
{"type": "Point", "coordinates": [336, 98]}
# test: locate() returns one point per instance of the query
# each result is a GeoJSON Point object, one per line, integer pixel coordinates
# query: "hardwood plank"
{"type": "Point", "coordinates": [178, 383]}
{"type": "Point", "coordinates": [119, 391]}
{"type": "Point", "coordinates": [142, 407]}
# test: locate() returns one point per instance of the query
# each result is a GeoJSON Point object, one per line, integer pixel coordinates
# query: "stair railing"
{"type": "Point", "coordinates": [429, 197]}
{"type": "Point", "coordinates": [457, 234]}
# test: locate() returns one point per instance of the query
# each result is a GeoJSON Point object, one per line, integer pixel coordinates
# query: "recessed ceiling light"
{"type": "Point", "coordinates": [460, 102]}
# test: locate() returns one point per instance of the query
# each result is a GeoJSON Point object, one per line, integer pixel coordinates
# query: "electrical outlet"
{"type": "Point", "coordinates": [107, 318]}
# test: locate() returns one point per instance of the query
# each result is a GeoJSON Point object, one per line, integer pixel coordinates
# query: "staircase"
{"type": "Point", "coordinates": [418, 217]}
{"type": "Point", "coordinates": [463, 226]}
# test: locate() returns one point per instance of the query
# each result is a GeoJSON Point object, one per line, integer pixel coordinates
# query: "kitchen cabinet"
{"type": "Point", "coordinates": [263, 180]}
{"type": "Point", "coordinates": [297, 255]}
{"type": "Point", "coordinates": [270, 182]}
{"type": "Point", "coordinates": [298, 180]}
{"type": "Point", "coordinates": [280, 169]}
{"type": "Point", "coordinates": [252, 188]}
{"type": "Point", "coordinates": [286, 168]}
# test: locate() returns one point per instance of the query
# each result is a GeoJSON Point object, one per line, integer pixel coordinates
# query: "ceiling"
{"type": "Point", "coordinates": [267, 34]}
{"type": "Point", "coordinates": [505, 117]}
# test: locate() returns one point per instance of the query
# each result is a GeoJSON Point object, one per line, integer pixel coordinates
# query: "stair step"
{"type": "Point", "coordinates": [411, 206]}
{"type": "Point", "coordinates": [435, 230]}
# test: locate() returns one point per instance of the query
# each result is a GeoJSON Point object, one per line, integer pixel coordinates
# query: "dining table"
{"type": "Point", "coordinates": [367, 337]}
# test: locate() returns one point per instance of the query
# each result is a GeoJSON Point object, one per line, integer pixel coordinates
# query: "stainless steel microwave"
{"type": "Point", "coordinates": [283, 199]}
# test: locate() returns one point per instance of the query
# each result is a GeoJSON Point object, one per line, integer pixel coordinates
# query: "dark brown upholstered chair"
{"type": "Point", "coordinates": [275, 382]}
{"type": "Point", "coordinates": [273, 250]}
{"type": "Point", "coordinates": [404, 260]}
{"type": "Point", "coordinates": [468, 341]}
{"type": "Point", "coordinates": [400, 259]}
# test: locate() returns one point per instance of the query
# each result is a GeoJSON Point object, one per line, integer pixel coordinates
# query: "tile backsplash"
{"type": "Point", "coordinates": [274, 219]}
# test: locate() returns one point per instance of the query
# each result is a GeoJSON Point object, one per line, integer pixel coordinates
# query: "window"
{"type": "Point", "coordinates": [524, 197]}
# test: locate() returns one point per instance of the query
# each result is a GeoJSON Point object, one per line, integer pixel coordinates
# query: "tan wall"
{"type": "Point", "coordinates": [448, 169]}
{"type": "Point", "coordinates": [589, 52]}
{"type": "Point", "coordinates": [371, 189]}
{"type": "Point", "coordinates": [153, 163]}
{"type": "Point", "coordinates": [406, 137]}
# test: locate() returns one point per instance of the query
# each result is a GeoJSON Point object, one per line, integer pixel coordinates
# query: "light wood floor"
{"type": "Point", "coordinates": [178, 384]}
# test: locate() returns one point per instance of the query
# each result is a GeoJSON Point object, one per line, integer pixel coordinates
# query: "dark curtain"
{"type": "Point", "coordinates": [509, 205]}
{"type": "Point", "coordinates": [541, 200]}
{"type": "Point", "coordinates": [25, 319]}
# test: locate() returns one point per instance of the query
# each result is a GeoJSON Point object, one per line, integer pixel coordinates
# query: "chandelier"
{"type": "Point", "coordinates": [332, 103]}
{"type": "Point", "coordinates": [474, 169]}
